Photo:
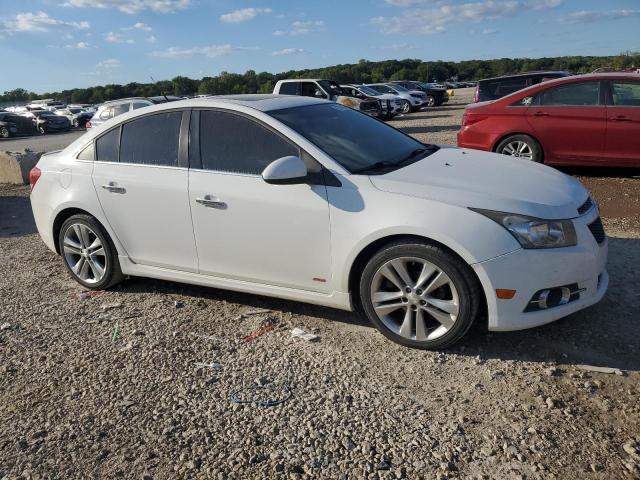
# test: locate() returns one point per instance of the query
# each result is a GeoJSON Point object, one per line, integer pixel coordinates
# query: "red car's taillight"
{"type": "Point", "coordinates": [469, 119]}
{"type": "Point", "coordinates": [34, 175]}
{"type": "Point", "coordinates": [476, 94]}
{"type": "Point", "coordinates": [88, 124]}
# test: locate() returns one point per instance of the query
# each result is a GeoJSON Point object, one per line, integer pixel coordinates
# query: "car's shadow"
{"type": "Point", "coordinates": [430, 129]}
{"type": "Point", "coordinates": [601, 172]}
{"type": "Point", "coordinates": [16, 217]}
{"type": "Point", "coordinates": [605, 335]}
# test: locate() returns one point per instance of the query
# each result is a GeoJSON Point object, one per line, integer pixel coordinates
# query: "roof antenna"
{"type": "Point", "coordinates": [161, 92]}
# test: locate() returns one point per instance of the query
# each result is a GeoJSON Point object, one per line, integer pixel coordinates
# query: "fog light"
{"type": "Point", "coordinates": [553, 297]}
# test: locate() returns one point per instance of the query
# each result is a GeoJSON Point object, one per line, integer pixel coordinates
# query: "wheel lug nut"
{"type": "Point", "coordinates": [419, 292]}
{"type": "Point", "coordinates": [408, 290]}
{"type": "Point", "coordinates": [422, 302]}
{"type": "Point", "coordinates": [404, 299]}
{"type": "Point", "coordinates": [414, 307]}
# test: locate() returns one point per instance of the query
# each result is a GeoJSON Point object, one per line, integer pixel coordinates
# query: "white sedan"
{"type": "Point", "coordinates": [307, 200]}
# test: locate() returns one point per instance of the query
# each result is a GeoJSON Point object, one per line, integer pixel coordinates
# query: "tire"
{"type": "Point", "coordinates": [4, 132]}
{"type": "Point", "coordinates": [448, 283]}
{"type": "Point", "coordinates": [520, 146]}
{"type": "Point", "coordinates": [41, 130]}
{"type": "Point", "coordinates": [406, 107]}
{"type": "Point", "coordinates": [431, 101]}
{"type": "Point", "coordinates": [87, 266]}
{"type": "Point", "coordinates": [76, 123]}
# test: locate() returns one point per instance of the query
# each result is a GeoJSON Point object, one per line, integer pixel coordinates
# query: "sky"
{"type": "Point", "coordinates": [50, 45]}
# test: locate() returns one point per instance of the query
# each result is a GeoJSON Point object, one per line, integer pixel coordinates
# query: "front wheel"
{"type": "Point", "coordinates": [76, 123]}
{"type": "Point", "coordinates": [41, 130]}
{"type": "Point", "coordinates": [88, 253]}
{"type": "Point", "coordinates": [4, 132]}
{"type": "Point", "coordinates": [419, 295]}
{"type": "Point", "coordinates": [520, 146]}
{"type": "Point", "coordinates": [431, 101]}
{"type": "Point", "coordinates": [406, 106]}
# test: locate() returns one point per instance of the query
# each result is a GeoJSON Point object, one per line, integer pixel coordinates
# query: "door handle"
{"type": "Point", "coordinates": [540, 114]}
{"type": "Point", "coordinates": [114, 188]}
{"type": "Point", "coordinates": [620, 118]}
{"type": "Point", "coordinates": [212, 202]}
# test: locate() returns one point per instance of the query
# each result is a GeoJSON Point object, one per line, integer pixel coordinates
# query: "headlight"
{"type": "Point", "coordinates": [533, 232]}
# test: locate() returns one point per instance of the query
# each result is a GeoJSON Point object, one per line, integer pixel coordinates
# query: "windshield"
{"type": "Point", "coordinates": [382, 89]}
{"type": "Point", "coordinates": [400, 88]}
{"type": "Point", "coordinates": [356, 141]}
{"type": "Point", "coordinates": [368, 91]}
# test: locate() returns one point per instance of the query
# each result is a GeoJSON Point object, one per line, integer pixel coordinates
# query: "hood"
{"type": "Point", "coordinates": [471, 178]}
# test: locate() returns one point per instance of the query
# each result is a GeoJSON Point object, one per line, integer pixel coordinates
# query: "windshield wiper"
{"type": "Point", "coordinates": [376, 166]}
{"type": "Point", "coordinates": [384, 164]}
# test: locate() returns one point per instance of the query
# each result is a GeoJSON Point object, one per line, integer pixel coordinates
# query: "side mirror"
{"type": "Point", "coordinates": [285, 171]}
{"type": "Point", "coordinates": [318, 94]}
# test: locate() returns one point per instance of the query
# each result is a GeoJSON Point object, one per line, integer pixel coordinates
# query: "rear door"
{"type": "Point", "coordinates": [141, 178]}
{"type": "Point", "coordinates": [569, 122]}
{"type": "Point", "coordinates": [622, 146]}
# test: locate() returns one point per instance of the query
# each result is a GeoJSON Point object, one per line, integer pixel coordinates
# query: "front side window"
{"type": "Point", "coordinates": [137, 105]}
{"type": "Point", "coordinates": [151, 140]}
{"type": "Point", "coordinates": [383, 89]}
{"type": "Point", "coordinates": [120, 108]}
{"type": "Point", "coordinates": [88, 153]}
{"type": "Point", "coordinates": [289, 88]}
{"type": "Point", "coordinates": [626, 94]}
{"type": "Point", "coordinates": [236, 144]}
{"type": "Point", "coordinates": [356, 141]}
{"type": "Point", "coordinates": [107, 146]}
{"type": "Point", "coordinates": [309, 89]}
{"type": "Point", "coordinates": [575, 94]}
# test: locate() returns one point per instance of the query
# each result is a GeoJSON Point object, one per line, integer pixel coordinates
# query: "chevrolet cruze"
{"type": "Point", "coordinates": [307, 200]}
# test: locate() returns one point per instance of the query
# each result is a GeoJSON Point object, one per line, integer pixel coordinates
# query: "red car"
{"type": "Point", "coordinates": [590, 120]}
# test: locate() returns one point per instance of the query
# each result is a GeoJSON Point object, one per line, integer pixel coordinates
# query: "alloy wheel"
{"type": "Point", "coordinates": [406, 107]}
{"type": "Point", "coordinates": [4, 132]}
{"type": "Point", "coordinates": [84, 253]}
{"type": "Point", "coordinates": [519, 149]}
{"type": "Point", "coordinates": [414, 298]}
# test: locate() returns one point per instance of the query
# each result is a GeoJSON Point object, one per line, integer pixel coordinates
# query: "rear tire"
{"type": "Point", "coordinates": [88, 253]}
{"type": "Point", "coordinates": [406, 107]}
{"type": "Point", "coordinates": [4, 132]}
{"type": "Point", "coordinates": [419, 295]}
{"type": "Point", "coordinates": [521, 146]}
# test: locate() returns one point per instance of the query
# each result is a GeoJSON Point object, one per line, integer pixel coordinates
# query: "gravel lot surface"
{"type": "Point", "coordinates": [108, 386]}
{"type": "Point", "coordinates": [40, 143]}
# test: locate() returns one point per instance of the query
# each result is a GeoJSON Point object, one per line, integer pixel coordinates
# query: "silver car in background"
{"type": "Point", "coordinates": [412, 100]}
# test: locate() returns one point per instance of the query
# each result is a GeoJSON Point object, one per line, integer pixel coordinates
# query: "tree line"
{"type": "Point", "coordinates": [362, 72]}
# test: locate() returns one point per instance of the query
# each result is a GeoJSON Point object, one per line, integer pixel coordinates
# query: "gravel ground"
{"type": "Point", "coordinates": [40, 143]}
{"type": "Point", "coordinates": [109, 386]}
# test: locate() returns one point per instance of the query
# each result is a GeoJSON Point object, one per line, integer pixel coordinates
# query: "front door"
{"type": "Point", "coordinates": [623, 124]}
{"type": "Point", "coordinates": [569, 122]}
{"type": "Point", "coordinates": [143, 191]}
{"type": "Point", "coordinates": [245, 228]}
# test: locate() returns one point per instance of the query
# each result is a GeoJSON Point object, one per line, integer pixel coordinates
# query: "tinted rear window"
{"type": "Point", "coordinates": [151, 140]}
{"type": "Point", "coordinates": [289, 88]}
{"type": "Point", "coordinates": [107, 146]}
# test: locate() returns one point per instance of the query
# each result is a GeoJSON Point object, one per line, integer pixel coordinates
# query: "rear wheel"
{"type": "Point", "coordinates": [520, 146]}
{"type": "Point", "coordinates": [4, 132]}
{"type": "Point", "coordinates": [88, 253]}
{"type": "Point", "coordinates": [406, 106]}
{"type": "Point", "coordinates": [76, 123]}
{"type": "Point", "coordinates": [419, 295]}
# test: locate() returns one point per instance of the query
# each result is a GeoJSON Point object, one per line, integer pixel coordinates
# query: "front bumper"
{"type": "Point", "coordinates": [529, 271]}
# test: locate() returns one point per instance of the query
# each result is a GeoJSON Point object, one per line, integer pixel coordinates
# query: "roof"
{"type": "Point", "coordinates": [262, 102]}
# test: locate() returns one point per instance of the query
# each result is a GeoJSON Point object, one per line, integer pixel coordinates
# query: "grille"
{"type": "Point", "coordinates": [585, 207]}
{"type": "Point", "coordinates": [597, 230]}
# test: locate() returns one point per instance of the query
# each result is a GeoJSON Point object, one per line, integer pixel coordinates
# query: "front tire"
{"type": "Point", "coordinates": [419, 295]}
{"type": "Point", "coordinates": [88, 253]}
{"type": "Point", "coordinates": [406, 106]}
{"type": "Point", "coordinates": [76, 123]}
{"type": "Point", "coordinates": [521, 146]}
{"type": "Point", "coordinates": [431, 101]}
{"type": "Point", "coordinates": [4, 132]}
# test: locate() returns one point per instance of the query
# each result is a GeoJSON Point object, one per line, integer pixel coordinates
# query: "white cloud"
{"type": "Point", "coordinates": [108, 64]}
{"type": "Point", "coordinates": [301, 28]}
{"type": "Point", "coordinates": [395, 47]}
{"type": "Point", "coordinates": [113, 37]}
{"type": "Point", "coordinates": [288, 51]}
{"type": "Point", "coordinates": [79, 46]}
{"type": "Point", "coordinates": [151, 39]}
{"type": "Point", "coordinates": [139, 26]}
{"type": "Point", "coordinates": [489, 31]}
{"type": "Point", "coordinates": [211, 51]}
{"type": "Point", "coordinates": [132, 6]}
{"type": "Point", "coordinates": [586, 16]}
{"type": "Point", "coordinates": [243, 15]}
{"type": "Point", "coordinates": [37, 22]}
{"type": "Point", "coordinates": [436, 19]}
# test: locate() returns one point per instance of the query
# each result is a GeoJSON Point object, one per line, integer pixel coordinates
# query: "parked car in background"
{"type": "Point", "coordinates": [76, 116]}
{"type": "Point", "coordinates": [46, 104]}
{"type": "Point", "coordinates": [412, 100]}
{"type": "Point", "coordinates": [588, 120]}
{"type": "Point", "coordinates": [330, 90]}
{"type": "Point", "coordinates": [12, 124]}
{"type": "Point", "coordinates": [393, 102]}
{"type": "Point", "coordinates": [422, 240]}
{"type": "Point", "coordinates": [436, 95]}
{"type": "Point", "coordinates": [113, 108]}
{"type": "Point", "coordinates": [45, 121]}
{"type": "Point", "coordinates": [498, 87]}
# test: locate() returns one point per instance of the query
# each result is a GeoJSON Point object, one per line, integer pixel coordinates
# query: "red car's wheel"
{"type": "Point", "coordinates": [520, 146]}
